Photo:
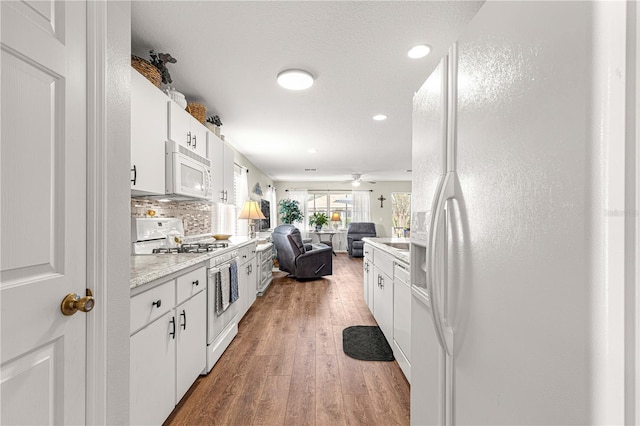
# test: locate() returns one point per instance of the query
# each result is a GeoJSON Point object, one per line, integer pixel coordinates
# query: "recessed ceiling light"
{"type": "Point", "coordinates": [295, 79]}
{"type": "Point", "coordinates": [313, 151]}
{"type": "Point", "coordinates": [419, 51]}
{"type": "Point", "coordinates": [379, 117]}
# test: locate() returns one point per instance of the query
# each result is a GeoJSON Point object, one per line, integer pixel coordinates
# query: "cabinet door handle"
{"type": "Point", "coordinates": [184, 315]}
{"type": "Point", "coordinates": [172, 333]}
{"type": "Point", "coordinates": [157, 303]}
{"type": "Point", "coordinates": [222, 195]}
{"type": "Point", "coordinates": [189, 138]}
{"type": "Point", "coordinates": [135, 174]}
{"type": "Point", "coordinates": [196, 283]}
{"type": "Point", "coordinates": [195, 141]}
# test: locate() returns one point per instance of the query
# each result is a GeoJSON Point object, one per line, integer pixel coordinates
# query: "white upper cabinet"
{"type": "Point", "coordinates": [221, 156]}
{"type": "Point", "coordinates": [186, 130]}
{"type": "Point", "coordinates": [148, 136]}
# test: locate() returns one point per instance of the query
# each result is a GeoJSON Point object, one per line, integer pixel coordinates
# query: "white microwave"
{"type": "Point", "coordinates": [187, 174]}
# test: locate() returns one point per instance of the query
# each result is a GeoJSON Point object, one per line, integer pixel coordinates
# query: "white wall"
{"type": "Point", "coordinates": [381, 216]}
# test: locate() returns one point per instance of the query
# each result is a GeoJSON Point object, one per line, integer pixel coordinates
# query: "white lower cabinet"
{"type": "Point", "coordinates": [152, 387]}
{"type": "Point", "coordinates": [191, 342]}
{"type": "Point", "coordinates": [387, 292]}
{"type": "Point", "coordinates": [383, 300]}
{"type": "Point", "coordinates": [402, 317]}
{"type": "Point", "coordinates": [368, 275]}
{"type": "Point", "coordinates": [247, 277]}
{"type": "Point", "coordinates": [264, 262]}
{"type": "Point", "coordinates": [168, 344]}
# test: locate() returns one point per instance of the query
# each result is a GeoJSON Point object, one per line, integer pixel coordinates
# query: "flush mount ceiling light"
{"type": "Point", "coordinates": [419, 51]}
{"type": "Point", "coordinates": [295, 79]}
{"type": "Point", "coordinates": [379, 117]}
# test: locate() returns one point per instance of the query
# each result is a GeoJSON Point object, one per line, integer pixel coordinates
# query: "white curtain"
{"type": "Point", "coordinates": [242, 195]}
{"type": "Point", "coordinates": [301, 196]}
{"type": "Point", "coordinates": [273, 207]}
{"type": "Point", "coordinates": [361, 206]}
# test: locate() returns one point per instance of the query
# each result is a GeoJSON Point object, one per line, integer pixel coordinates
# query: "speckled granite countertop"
{"type": "Point", "coordinates": [150, 267]}
{"type": "Point", "coordinates": [379, 243]}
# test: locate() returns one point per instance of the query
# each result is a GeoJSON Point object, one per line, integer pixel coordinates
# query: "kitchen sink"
{"type": "Point", "coordinates": [399, 246]}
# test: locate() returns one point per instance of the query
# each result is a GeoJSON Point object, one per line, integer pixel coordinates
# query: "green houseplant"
{"type": "Point", "coordinates": [319, 220]}
{"type": "Point", "coordinates": [289, 211]}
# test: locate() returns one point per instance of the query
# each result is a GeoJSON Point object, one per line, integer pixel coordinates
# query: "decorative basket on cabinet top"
{"type": "Point", "coordinates": [198, 111]}
{"type": "Point", "coordinates": [145, 68]}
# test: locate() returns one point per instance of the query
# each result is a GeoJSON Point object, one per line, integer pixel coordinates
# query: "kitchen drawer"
{"type": "Point", "coordinates": [191, 284]}
{"type": "Point", "coordinates": [246, 253]}
{"type": "Point", "coordinates": [383, 261]}
{"type": "Point", "coordinates": [143, 309]}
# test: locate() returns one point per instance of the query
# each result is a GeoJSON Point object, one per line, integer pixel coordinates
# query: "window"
{"type": "Point", "coordinates": [339, 202]}
{"type": "Point", "coordinates": [401, 212]}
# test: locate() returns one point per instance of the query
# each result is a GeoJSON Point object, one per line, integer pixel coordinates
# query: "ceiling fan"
{"type": "Point", "coordinates": [357, 180]}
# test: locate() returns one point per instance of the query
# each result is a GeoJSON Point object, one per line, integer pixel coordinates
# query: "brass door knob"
{"type": "Point", "coordinates": [73, 303]}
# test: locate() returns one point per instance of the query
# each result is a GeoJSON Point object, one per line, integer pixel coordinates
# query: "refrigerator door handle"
{"type": "Point", "coordinates": [445, 333]}
{"type": "Point", "coordinates": [431, 255]}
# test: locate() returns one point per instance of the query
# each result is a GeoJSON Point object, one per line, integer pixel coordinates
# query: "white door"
{"type": "Point", "coordinates": [42, 221]}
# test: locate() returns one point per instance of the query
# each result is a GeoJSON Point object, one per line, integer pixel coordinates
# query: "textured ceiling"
{"type": "Point", "coordinates": [229, 54]}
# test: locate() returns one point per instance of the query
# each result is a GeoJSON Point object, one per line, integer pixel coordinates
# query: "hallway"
{"type": "Point", "coordinates": [286, 366]}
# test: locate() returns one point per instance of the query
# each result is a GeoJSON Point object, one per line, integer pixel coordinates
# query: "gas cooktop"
{"type": "Point", "coordinates": [191, 248]}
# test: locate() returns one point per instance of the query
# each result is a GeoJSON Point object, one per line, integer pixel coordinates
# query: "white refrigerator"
{"type": "Point", "coordinates": [513, 314]}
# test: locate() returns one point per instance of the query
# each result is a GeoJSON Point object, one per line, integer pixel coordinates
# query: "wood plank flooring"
{"type": "Point", "coordinates": [286, 365]}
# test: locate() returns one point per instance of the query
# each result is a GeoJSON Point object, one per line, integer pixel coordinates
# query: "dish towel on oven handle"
{"type": "Point", "coordinates": [233, 271]}
{"type": "Point", "coordinates": [218, 291]}
{"type": "Point", "coordinates": [225, 286]}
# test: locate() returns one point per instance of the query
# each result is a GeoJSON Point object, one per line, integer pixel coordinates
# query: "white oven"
{"type": "Point", "coordinates": [187, 174]}
{"type": "Point", "coordinates": [223, 327]}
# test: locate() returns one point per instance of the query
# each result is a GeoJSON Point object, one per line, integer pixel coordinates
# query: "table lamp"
{"type": "Point", "coordinates": [335, 218]}
{"type": "Point", "coordinates": [251, 211]}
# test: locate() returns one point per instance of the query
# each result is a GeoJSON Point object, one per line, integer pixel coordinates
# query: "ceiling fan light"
{"type": "Point", "coordinates": [356, 183]}
{"type": "Point", "coordinates": [294, 79]}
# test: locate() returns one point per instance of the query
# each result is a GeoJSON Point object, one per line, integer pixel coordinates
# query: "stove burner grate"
{"type": "Point", "coordinates": [191, 248]}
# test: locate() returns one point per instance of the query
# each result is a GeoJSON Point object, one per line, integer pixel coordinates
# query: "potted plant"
{"type": "Point", "coordinates": [213, 123]}
{"type": "Point", "coordinates": [289, 211]}
{"type": "Point", "coordinates": [319, 220]}
{"type": "Point", "coordinates": [160, 61]}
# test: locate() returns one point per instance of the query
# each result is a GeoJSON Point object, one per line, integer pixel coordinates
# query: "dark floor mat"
{"type": "Point", "coordinates": [366, 343]}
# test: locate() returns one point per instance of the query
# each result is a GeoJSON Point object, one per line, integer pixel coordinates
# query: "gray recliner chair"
{"type": "Point", "coordinates": [302, 261]}
{"type": "Point", "coordinates": [355, 233]}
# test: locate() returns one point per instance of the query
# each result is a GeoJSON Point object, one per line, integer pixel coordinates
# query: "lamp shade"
{"type": "Point", "coordinates": [251, 210]}
{"type": "Point", "coordinates": [335, 217]}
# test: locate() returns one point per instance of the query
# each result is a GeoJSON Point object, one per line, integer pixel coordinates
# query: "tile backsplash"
{"type": "Point", "coordinates": [196, 216]}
